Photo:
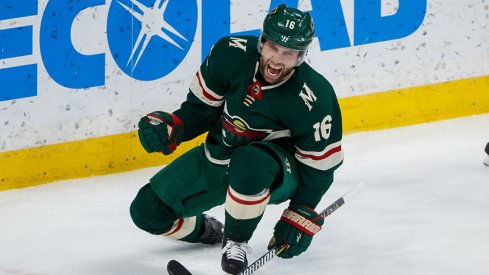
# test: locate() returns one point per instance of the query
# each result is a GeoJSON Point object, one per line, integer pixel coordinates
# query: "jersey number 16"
{"type": "Point", "coordinates": [322, 129]}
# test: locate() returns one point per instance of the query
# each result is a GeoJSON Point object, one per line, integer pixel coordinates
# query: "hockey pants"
{"type": "Point", "coordinates": [172, 203]}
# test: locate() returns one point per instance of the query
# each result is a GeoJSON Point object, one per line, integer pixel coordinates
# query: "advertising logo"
{"type": "Point", "coordinates": [148, 40]}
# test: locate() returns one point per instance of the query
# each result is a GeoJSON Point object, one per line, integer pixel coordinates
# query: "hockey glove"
{"type": "Point", "coordinates": [296, 228]}
{"type": "Point", "coordinates": [160, 132]}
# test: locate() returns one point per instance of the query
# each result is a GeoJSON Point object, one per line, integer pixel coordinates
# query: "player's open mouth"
{"type": "Point", "coordinates": [273, 70]}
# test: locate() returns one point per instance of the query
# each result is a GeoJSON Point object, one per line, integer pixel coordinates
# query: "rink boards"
{"type": "Point", "coordinates": [76, 78]}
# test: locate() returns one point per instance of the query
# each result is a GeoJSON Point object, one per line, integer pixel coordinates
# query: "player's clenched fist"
{"type": "Point", "coordinates": [160, 132]}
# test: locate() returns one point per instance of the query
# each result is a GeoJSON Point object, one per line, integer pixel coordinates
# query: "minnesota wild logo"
{"type": "Point", "coordinates": [235, 131]}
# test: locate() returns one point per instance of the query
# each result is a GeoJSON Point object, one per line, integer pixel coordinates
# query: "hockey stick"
{"type": "Point", "coordinates": [265, 258]}
{"type": "Point", "coordinates": [175, 268]}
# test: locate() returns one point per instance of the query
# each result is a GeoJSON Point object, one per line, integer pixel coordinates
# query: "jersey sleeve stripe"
{"type": "Point", "coordinates": [206, 95]}
{"type": "Point", "coordinates": [320, 157]}
{"type": "Point", "coordinates": [324, 160]}
{"type": "Point", "coordinates": [207, 92]}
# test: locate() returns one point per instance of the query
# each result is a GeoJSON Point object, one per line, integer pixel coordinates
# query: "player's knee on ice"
{"type": "Point", "coordinates": [149, 213]}
{"type": "Point", "coordinates": [252, 169]}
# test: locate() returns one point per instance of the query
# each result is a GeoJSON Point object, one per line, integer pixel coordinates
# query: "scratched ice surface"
{"type": "Point", "coordinates": [424, 210]}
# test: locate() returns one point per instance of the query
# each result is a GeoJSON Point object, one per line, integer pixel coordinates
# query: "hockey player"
{"type": "Point", "coordinates": [274, 134]}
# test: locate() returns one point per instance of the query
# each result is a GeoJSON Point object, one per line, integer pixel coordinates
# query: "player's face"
{"type": "Point", "coordinates": [276, 62]}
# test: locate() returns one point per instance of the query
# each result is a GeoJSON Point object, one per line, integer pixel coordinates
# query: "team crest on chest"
{"type": "Point", "coordinates": [254, 92]}
{"type": "Point", "coordinates": [235, 131]}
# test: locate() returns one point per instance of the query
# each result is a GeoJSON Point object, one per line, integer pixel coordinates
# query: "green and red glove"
{"type": "Point", "coordinates": [160, 132]}
{"type": "Point", "coordinates": [296, 228]}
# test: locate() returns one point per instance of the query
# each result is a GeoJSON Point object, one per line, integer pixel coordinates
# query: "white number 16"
{"type": "Point", "coordinates": [290, 24]}
{"type": "Point", "coordinates": [322, 129]}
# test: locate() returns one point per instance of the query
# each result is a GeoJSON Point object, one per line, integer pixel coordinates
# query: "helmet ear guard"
{"type": "Point", "coordinates": [290, 28]}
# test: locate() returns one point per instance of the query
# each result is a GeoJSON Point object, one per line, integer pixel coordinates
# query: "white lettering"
{"type": "Point", "coordinates": [239, 43]}
{"type": "Point", "coordinates": [308, 96]}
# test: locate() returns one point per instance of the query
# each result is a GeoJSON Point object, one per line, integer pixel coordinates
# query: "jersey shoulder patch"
{"type": "Point", "coordinates": [238, 42]}
{"type": "Point", "coordinates": [237, 48]}
{"type": "Point", "coordinates": [315, 91]}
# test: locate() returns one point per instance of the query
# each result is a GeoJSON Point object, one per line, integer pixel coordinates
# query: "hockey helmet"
{"type": "Point", "coordinates": [288, 27]}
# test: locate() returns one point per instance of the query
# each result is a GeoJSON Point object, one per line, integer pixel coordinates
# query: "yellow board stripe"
{"type": "Point", "coordinates": [122, 152]}
{"type": "Point", "coordinates": [85, 158]}
{"type": "Point", "coordinates": [416, 105]}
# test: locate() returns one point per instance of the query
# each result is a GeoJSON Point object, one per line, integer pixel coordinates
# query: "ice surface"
{"type": "Point", "coordinates": [424, 210]}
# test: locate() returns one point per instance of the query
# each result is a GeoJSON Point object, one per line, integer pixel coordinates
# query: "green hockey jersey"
{"type": "Point", "coordinates": [227, 100]}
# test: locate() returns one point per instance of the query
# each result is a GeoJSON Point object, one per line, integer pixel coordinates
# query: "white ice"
{"type": "Point", "coordinates": [424, 210]}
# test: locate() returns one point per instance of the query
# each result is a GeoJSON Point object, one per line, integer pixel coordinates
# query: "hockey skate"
{"type": "Point", "coordinates": [234, 256]}
{"type": "Point", "coordinates": [213, 231]}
